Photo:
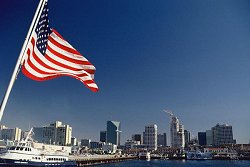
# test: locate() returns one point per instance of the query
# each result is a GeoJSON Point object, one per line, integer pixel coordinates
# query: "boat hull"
{"type": "Point", "coordinates": [11, 162]}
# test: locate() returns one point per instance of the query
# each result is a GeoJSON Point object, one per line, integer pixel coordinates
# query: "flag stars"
{"type": "Point", "coordinates": [43, 30]}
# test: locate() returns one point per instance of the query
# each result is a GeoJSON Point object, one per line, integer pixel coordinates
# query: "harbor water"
{"type": "Point", "coordinates": [179, 163]}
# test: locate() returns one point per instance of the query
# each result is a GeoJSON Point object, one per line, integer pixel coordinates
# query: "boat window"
{"type": "Point", "coordinates": [26, 149]}
{"type": "Point", "coordinates": [12, 148]}
{"type": "Point", "coordinates": [21, 148]}
{"type": "Point", "coordinates": [17, 148]}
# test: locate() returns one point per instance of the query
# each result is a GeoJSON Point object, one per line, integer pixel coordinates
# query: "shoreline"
{"type": "Point", "coordinates": [107, 159]}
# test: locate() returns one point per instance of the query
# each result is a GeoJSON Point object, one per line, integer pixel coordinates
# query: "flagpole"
{"type": "Point", "coordinates": [20, 58]}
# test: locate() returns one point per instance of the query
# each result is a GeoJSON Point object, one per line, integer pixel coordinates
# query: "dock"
{"type": "Point", "coordinates": [82, 160]}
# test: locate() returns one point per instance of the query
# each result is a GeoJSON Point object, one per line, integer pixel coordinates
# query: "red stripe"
{"type": "Point", "coordinates": [89, 71]}
{"type": "Point", "coordinates": [82, 75]}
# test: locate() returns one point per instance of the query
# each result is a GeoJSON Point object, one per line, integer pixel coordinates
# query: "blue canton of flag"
{"type": "Point", "coordinates": [43, 30]}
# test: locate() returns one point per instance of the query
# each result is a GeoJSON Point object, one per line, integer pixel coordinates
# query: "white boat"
{"type": "Point", "coordinates": [144, 155]}
{"type": "Point", "coordinates": [24, 154]}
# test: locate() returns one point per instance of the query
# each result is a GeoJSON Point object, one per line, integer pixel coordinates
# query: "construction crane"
{"type": "Point", "coordinates": [169, 112]}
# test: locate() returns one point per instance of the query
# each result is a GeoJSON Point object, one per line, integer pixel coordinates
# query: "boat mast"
{"type": "Point", "coordinates": [21, 56]}
{"type": "Point", "coordinates": [28, 135]}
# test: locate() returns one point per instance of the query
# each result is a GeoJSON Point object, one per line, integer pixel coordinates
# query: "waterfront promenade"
{"type": "Point", "coordinates": [83, 160]}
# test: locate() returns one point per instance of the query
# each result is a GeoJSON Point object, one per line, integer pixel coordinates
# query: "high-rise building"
{"type": "Point", "coordinates": [202, 139]}
{"type": "Point", "coordinates": [10, 134]}
{"type": "Point", "coordinates": [187, 137]}
{"type": "Point", "coordinates": [177, 133]}
{"type": "Point", "coordinates": [137, 138]}
{"type": "Point", "coordinates": [209, 137]}
{"type": "Point", "coordinates": [222, 134]}
{"type": "Point", "coordinates": [162, 139]}
{"type": "Point", "coordinates": [150, 137]}
{"type": "Point", "coordinates": [113, 132]}
{"type": "Point", "coordinates": [55, 133]}
{"type": "Point", "coordinates": [103, 135]}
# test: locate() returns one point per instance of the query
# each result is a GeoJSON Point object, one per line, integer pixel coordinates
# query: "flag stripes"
{"type": "Point", "coordinates": [60, 59]}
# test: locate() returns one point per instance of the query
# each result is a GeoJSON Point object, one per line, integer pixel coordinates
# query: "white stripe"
{"type": "Point", "coordinates": [93, 85]}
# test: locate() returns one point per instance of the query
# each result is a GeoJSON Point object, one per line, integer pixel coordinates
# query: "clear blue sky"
{"type": "Point", "coordinates": [190, 56]}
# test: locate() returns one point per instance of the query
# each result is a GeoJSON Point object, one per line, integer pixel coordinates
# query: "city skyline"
{"type": "Point", "coordinates": [217, 135]}
{"type": "Point", "coordinates": [191, 57]}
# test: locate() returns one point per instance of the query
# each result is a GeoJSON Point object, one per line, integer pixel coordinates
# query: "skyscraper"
{"type": "Point", "coordinates": [103, 135]}
{"type": "Point", "coordinates": [150, 137]}
{"type": "Point", "coordinates": [222, 134]}
{"type": "Point", "coordinates": [113, 132]}
{"type": "Point", "coordinates": [162, 139]}
{"type": "Point", "coordinates": [202, 139]}
{"type": "Point", "coordinates": [187, 137]}
{"type": "Point", "coordinates": [177, 133]}
{"type": "Point", "coordinates": [209, 137]}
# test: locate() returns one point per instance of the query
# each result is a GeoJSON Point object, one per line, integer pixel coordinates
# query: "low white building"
{"type": "Point", "coordinates": [217, 150]}
{"type": "Point", "coordinates": [52, 148]}
{"type": "Point", "coordinates": [109, 148]}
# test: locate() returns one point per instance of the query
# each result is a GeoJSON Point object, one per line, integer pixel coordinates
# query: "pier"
{"type": "Point", "coordinates": [99, 159]}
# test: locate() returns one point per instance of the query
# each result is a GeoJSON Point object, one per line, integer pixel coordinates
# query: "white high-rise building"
{"type": "Point", "coordinates": [55, 133]}
{"type": "Point", "coordinates": [177, 133]}
{"type": "Point", "coordinates": [10, 134]}
{"type": "Point", "coordinates": [150, 137]}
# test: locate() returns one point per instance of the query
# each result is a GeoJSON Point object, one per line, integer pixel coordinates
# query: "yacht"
{"type": "Point", "coordinates": [24, 154]}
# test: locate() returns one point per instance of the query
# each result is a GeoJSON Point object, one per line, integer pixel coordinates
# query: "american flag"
{"type": "Point", "coordinates": [49, 56]}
